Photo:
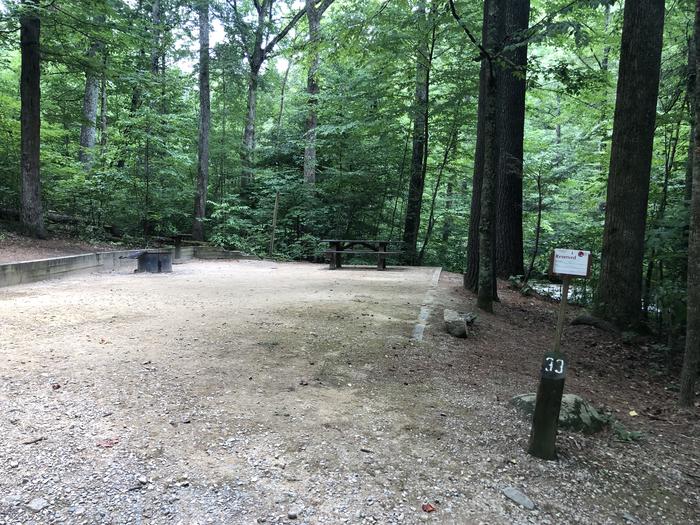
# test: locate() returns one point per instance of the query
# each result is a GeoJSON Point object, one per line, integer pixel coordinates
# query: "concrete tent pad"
{"type": "Point", "coordinates": [197, 295]}
{"type": "Point", "coordinates": [253, 379]}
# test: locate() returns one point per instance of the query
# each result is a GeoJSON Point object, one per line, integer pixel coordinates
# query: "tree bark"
{"type": "Point", "coordinates": [471, 274]}
{"type": "Point", "coordinates": [420, 138]}
{"type": "Point", "coordinates": [690, 89]}
{"type": "Point", "coordinates": [604, 68]}
{"type": "Point", "coordinates": [486, 293]}
{"type": "Point", "coordinates": [200, 199]}
{"type": "Point", "coordinates": [103, 108]}
{"type": "Point", "coordinates": [447, 218]}
{"type": "Point", "coordinates": [691, 358]}
{"type": "Point", "coordinates": [248, 152]}
{"type": "Point", "coordinates": [223, 141]}
{"type": "Point", "coordinates": [283, 92]}
{"type": "Point", "coordinates": [312, 89]}
{"type": "Point", "coordinates": [155, 35]}
{"type": "Point", "coordinates": [88, 128]}
{"type": "Point", "coordinates": [511, 122]}
{"type": "Point", "coordinates": [619, 293]}
{"type": "Point", "coordinates": [32, 216]}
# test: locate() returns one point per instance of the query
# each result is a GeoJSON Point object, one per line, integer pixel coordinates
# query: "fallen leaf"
{"type": "Point", "coordinates": [107, 443]}
{"type": "Point", "coordinates": [31, 441]}
{"type": "Point", "coordinates": [633, 413]}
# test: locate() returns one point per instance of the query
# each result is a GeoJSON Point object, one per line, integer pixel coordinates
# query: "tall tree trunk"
{"type": "Point", "coordinates": [690, 89]}
{"type": "Point", "coordinates": [670, 148]}
{"type": "Point", "coordinates": [248, 151]}
{"type": "Point", "coordinates": [155, 35]}
{"type": "Point", "coordinates": [283, 93]}
{"type": "Point", "coordinates": [141, 65]}
{"type": "Point", "coordinates": [312, 89]}
{"type": "Point", "coordinates": [32, 215]}
{"type": "Point", "coordinates": [691, 358]}
{"type": "Point", "coordinates": [257, 49]}
{"type": "Point", "coordinates": [511, 122]}
{"type": "Point", "coordinates": [619, 294]}
{"type": "Point", "coordinates": [486, 293]}
{"type": "Point", "coordinates": [223, 156]}
{"type": "Point", "coordinates": [88, 128]}
{"type": "Point", "coordinates": [417, 171]}
{"type": "Point", "coordinates": [538, 228]}
{"type": "Point", "coordinates": [392, 222]}
{"type": "Point", "coordinates": [103, 108]}
{"type": "Point", "coordinates": [471, 274]}
{"type": "Point", "coordinates": [447, 217]}
{"type": "Point", "coordinates": [604, 68]}
{"type": "Point", "coordinates": [431, 217]}
{"type": "Point", "coordinates": [200, 199]}
{"type": "Point", "coordinates": [147, 223]}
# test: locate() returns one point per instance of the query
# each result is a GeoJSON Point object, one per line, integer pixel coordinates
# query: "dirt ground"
{"type": "Point", "coordinates": [15, 248]}
{"type": "Point", "coordinates": [244, 392]}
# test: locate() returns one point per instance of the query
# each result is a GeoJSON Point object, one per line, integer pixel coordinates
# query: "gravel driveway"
{"type": "Point", "coordinates": [243, 392]}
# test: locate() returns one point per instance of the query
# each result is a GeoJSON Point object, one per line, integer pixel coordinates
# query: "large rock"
{"type": "Point", "coordinates": [458, 324]}
{"type": "Point", "coordinates": [576, 413]}
{"type": "Point", "coordinates": [38, 504]}
{"type": "Point", "coordinates": [518, 497]}
{"type": "Point", "coordinates": [589, 320]}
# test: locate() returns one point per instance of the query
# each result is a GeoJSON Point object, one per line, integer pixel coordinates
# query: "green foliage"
{"type": "Point", "coordinates": [9, 131]}
{"type": "Point", "coordinates": [622, 434]}
{"type": "Point", "coordinates": [235, 227]}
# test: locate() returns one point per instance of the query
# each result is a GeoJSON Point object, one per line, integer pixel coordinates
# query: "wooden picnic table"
{"type": "Point", "coordinates": [338, 247]}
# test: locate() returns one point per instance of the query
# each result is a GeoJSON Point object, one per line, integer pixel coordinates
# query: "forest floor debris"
{"type": "Point", "coordinates": [17, 248]}
{"type": "Point", "coordinates": [242, 391]}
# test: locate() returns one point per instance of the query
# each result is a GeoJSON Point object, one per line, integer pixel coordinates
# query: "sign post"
{"type": "Point", "coordinates": [566, 264]}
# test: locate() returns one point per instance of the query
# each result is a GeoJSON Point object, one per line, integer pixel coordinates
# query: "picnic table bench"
{"type": "Point", "coordinates": [338, 247]}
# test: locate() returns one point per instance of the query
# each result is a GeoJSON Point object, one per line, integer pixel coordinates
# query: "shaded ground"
{"type": "Point", "coordinates": [15, 248]}
{"type": "Point", "coordinates": [236, 392]}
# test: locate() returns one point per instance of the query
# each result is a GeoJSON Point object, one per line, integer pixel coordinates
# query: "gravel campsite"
{"type": "Point", "coordinates": [266, 392]}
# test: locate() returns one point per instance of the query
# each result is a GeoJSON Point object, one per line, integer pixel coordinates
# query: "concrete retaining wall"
{"type": "Point", "coordinates": [32, 271]}
{"type": "Point", "coordinates": [183, 253]}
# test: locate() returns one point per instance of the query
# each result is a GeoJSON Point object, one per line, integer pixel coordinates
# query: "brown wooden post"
{"type": "Point", "coordinates": [338, 258]}
{"type": "Point", "coordinates": [274, 223]}
{"type": "Point", "coordinates": [381, 258]}
{"type": "Point", "coordinates": [545, 420]}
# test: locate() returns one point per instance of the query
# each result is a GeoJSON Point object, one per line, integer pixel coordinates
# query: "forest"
{"type": "Point", "coordinates": [480, 135]}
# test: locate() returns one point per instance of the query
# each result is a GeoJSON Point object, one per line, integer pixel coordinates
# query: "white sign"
{"type": "Point", "coordinates": [571, 262]}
